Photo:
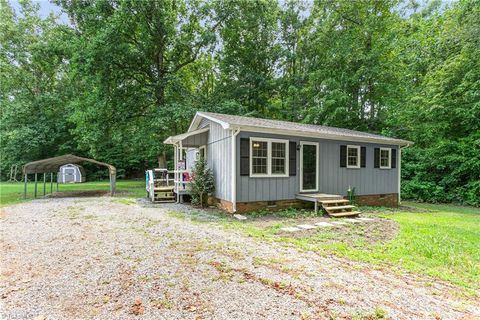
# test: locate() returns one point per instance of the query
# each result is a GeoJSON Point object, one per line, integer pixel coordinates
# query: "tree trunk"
{"type": "Point", "coordinates": [162, 161]}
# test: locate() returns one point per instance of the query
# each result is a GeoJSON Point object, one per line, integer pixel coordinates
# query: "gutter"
{"type": "Point", "coordinates": [235, 132]}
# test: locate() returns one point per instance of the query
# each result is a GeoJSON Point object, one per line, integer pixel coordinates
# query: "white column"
{"type": "Point", "coordinates": [175, 166]}
{"type": "Point", "coordinates": [399, 173]}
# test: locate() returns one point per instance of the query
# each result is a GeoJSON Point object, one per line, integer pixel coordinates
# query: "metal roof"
{"type": "Point", "coordinates": [292, 128]}
{"type": "Point", "coordinates": [53, 164]}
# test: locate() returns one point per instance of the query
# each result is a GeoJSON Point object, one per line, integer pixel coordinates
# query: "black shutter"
{"type": "Point", "coordinates": [292, 159]}
{"type": "Point", "coordinates": [363, 157]}
{"type": "Point", "coordinates": [394, 158]}
{"type": "Point", "coordinates": [377, 158]}
{"type": "Point", "coordinates": [244, 156]}
{"type": "Point", "coordinates": [343, 156]}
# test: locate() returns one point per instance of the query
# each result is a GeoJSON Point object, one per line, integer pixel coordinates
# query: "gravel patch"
{"type": "Point", "coordinates": [97, 258]}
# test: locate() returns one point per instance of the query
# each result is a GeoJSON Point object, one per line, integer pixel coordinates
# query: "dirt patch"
{"type": "Point", "coordinates": [356, 235]}
{"type": "Point", "coordinates": [78, 194]}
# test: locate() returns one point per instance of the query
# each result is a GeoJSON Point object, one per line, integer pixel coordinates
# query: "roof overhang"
{"type": "Point", "coordinates": [198, 117]}
{"type": "Point", "coordinates": [180, 137]}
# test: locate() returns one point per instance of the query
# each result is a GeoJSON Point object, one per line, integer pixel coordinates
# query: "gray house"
{"type": "Point", "coordinates": [268, 163]}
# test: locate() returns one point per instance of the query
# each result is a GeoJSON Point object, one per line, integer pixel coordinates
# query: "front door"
{"type": "Point", "coordinates": [308, 166]}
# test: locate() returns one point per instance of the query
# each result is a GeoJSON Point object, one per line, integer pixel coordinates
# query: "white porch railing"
{"type": "Point", "coordinates": [182, 181]}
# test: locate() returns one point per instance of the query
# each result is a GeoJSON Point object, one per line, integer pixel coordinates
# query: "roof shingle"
{"type": "Point", "coordinates": [241, 121]}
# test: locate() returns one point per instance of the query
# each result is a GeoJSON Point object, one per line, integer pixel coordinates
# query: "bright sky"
{"type": "Point", "coordinates": [46, 7]}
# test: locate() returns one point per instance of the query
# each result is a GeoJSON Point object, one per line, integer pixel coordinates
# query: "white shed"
{"type": "Point", "coordinates": [71, 173]}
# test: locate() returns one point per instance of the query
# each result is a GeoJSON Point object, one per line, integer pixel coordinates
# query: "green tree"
{"type": "Point", "coordinates": [249, 51]}
{"type": "Point", "coordinates": [351, 62]}
{"type": "Point", "coordinates": [442, 111]}
{"type": "Point", "coordinates": [131, 69]}
{"type": "Point", "coordinates": [34, 89]}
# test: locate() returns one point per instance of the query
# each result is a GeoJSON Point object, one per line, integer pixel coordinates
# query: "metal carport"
{"type": "Point", "coordinates": [52, 165]}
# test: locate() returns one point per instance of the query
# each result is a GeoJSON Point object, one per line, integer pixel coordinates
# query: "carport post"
{"type": "Point", "coordinates": [44, 184]}
{"type": "Point", "coordinates": [35, 192]}
{"type": "Point", "coordinates": [51, 182]}
{"type": "Point", "coordinates": [25, 187]}
{"type": "Point", "coordinates": [112, 183]}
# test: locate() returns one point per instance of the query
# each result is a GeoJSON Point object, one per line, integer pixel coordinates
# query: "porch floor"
{"type": "Point", "coordinates": [316, 197]}
{"type": "Point", "coordinates": [334, 204]}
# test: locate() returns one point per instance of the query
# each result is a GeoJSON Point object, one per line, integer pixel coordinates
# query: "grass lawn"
{"type": "Point", "coordinates": [11, 193]}
{"type": "Point", "coordinates": [442, 241]}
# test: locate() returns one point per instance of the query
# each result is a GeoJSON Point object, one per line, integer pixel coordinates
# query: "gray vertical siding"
{"type": "Point", "coordinates": [219, 154]}
{"type": "Point", "coordinates": [196, 140]}
{"type": "Point", "coordinates": [332, 178]}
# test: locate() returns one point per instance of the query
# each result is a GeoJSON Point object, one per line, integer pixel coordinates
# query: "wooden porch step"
{"type": "Point", "coordinates": [164, 201]}
{"type": "Point", "coordinates": [164, 196]}
{"type": "Point", "coordinates": [344, 214]}
{"type": "Point", "coordinates": [334, 201]}
{"type": "Point", "coordinates": [339, 207]}
{"type": "Point", "coordinates": [163, 189]}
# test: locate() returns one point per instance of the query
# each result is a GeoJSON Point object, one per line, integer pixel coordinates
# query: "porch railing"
{"type": "Point", "coordinates": [182, 181]}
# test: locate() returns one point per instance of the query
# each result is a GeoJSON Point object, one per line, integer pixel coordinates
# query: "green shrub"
{"type": "Point", "coordinates": [202, 183]}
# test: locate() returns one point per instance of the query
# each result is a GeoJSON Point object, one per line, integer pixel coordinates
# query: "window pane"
{"type": "Point", "coordinates": [384, 157]}
{"type": "Point", "coordinates": [259, 148]}
{"type": "Point", "coordinates": [278, 166]}
{"type": "Point", "coordinates": [278, 157]}
{"type": "Point", "coordinates": [259, 165]}
{"type": "Point", "coordinates": [259, 157]}
{"type": "Point", "coordinates": [352, 157]}
{"type": "Point", "coordinates": [278, 150]}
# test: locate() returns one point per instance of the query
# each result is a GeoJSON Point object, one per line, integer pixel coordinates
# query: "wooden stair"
{"type": "Point", "coordinates": [339, 208]}
{"type": "Point", "coordinates": [163, 194]}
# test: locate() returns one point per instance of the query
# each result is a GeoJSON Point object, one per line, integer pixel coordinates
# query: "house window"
{"type": "Point", "coordinates": [385, 158]}
{"type": "Point", "coordinates": [202, 152]}
{"type": "Point", "coordinates": [353, 156]}
{"type": "Point", "coordinates": [268, 157]}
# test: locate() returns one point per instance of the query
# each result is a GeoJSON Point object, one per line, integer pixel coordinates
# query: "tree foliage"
{"type": "Point", "coordinates": [122, 75]}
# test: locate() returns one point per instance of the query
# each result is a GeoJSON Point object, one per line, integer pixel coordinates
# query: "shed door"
{"type": "Point", "coordinates": [69, 174]}
{"type": "Point", "coordinates": [308, 166]}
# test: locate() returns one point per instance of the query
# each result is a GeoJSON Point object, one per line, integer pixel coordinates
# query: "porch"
{"type": "Point", "coordinates": [188, 148]}
{"type": "Point", "coordinates": [333, 204]}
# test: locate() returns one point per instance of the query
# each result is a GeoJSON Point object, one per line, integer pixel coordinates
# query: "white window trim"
{"type": "Point", "coordinates": [269, 158]}
{"type": "Point", "coordinates": [358, 157]}
{"type": "Point", "coordinates": [389, 158]}
{"type": "Point", "coordinates": [317, 145]}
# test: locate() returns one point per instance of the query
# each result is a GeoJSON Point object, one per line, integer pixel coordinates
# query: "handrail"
{"type": "Point", "coordinates": [179, 183]}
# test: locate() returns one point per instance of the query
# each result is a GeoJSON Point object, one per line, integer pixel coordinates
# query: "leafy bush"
{"type": "Point", "coordinates": [446, 172]}
{"type": "Point", "coordinates": [202, 183]}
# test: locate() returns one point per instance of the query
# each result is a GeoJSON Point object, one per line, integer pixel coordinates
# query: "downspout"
{"type": "Point", "coordinates": [400, 171]}
{"type": "Point", "coordinates": [235, 132]}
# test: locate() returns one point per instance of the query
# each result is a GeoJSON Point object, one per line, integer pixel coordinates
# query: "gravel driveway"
{"type": "Point", "coordinates": [100, 258]}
